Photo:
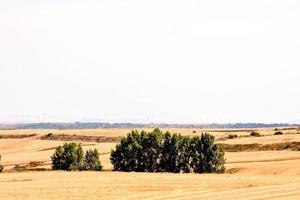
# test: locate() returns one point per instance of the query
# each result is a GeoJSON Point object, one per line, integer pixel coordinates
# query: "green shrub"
{"type": "Point", "coordinates": [166, 152]}
{"type": "Point", "coordinates": [255, 134]}
{"type": "Point", "coordinates": [138, 152]}
{"type": "Point", "coordinates": [71, 157]}
{"type": "Point", "coordinates": [278, 133]}
{"type": "Point", "coordinates": [232, 136]}
{"type": "Point", "coordinates": [206, 156]}
{"type": "Point", "coordinates": [92, 161]}
{"type": "Point", "coordinates": [1, 166]}
{"type": "Point", "coordinates": [67, 157]}
{"type": "Point", "coordinates": [175, 155]}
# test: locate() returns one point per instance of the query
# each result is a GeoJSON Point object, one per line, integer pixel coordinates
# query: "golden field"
{"type": "Point", "coordinates": [250, 174]}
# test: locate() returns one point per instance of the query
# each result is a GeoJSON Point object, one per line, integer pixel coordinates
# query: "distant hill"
{"type": "Point", "coordinates": [79, 125]}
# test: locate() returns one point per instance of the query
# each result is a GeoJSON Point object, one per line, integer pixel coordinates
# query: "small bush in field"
{"type": "Point", "coordinates": [232, 136]}
{"type": "Point", "coordinates": [255, 134]}
{"type": "Point", "coordinates": [278, 133]}
{"type": "Point", "coordinates": [1, 166]}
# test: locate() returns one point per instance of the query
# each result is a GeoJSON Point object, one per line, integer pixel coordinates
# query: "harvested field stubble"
{"type": "Point", "coordinates": [264, 168]}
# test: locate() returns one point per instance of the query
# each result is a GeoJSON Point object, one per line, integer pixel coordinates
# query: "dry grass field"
{"type": "Point", "coordinates": [250, 174]}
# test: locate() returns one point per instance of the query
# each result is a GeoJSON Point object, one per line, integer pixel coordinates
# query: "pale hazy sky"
{"type": "Point", "coordinates": [188, 61]}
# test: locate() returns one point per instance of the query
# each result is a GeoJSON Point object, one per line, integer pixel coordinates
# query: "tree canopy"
{"type": "Point", "coordinates": [165, 152]}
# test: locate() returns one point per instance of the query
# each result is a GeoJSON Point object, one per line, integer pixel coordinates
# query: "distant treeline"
{"type": "Point", "coordinates": [79, 125]}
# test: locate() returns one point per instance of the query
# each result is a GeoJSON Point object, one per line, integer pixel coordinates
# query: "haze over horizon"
{"type": "Point", "coordinates": [157, 61]}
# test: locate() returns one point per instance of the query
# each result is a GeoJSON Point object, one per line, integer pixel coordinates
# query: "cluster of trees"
{"type": "Point", "coordinates": [71, 157]}
{"type": "Point", "coordinates": [165, 152]}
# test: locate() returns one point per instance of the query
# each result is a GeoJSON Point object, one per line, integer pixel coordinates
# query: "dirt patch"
{"type": "Point", "coordinates": [84, 138]}
{"type": "Point", "coordinates": [233, 170]}
{"type": "Point", "coordinates": [19, 136]}
{"type": "Point", "coordinates": [294, 146]}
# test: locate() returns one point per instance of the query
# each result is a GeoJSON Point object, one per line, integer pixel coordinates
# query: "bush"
{"type": "Point", "coordinates": [166, 152]}
{"type": "Point", "coordinates": [138, 152]}
{"type": "Point", "coordinates": [206, 156]}
{"type": "Point", "coordinates": [278, 133]}
{"type": "Point", "coordinates": [175, 155]}
{"type": "Point", "coordinates": [1, 166]}
{"type": "Point", "coordinates": [92, 161]}
{"type": "Point", "coordinates": [71, 157]}
{"type": "Point", "coordinates": [67, 157]}
{"type": "Point", "coordinates": [232, 136]}
{"type": "Point", "coordinates": [255, 134]}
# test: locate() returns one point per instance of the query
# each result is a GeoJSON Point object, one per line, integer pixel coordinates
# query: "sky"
{"type": "Point", "coordinates": [192, 61]}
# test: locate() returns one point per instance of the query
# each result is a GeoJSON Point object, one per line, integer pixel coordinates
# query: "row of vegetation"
{"type": "Point", "coordinates": [253, 133]}
{"type": "Point", "coordinates": [165, 152]}
{"type": "Point", "coordinates": [293, 146]}
{"type": "Point", "coordinates": [156, 152]}
{"type": "Point", "coordinates": [146, 152]}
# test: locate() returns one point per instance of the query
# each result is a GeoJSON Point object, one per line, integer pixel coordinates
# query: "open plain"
{"type": "Point", "coordinates": [250, 173]}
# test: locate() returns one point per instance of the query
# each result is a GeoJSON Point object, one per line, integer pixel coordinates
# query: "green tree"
{"type": "Point", "coordinates": [206, 157]}
{"type": "Point", "coordinates": [152, 146]}
{"type": "Point", "coordinates": [138, 152]}
{"type": "Point", "coordinates": [168, 161]}
{"type": "Point", "coordinates": [184, 154]}
{"type": "Point", "coordinates": [175, 154]}
{"type": "Point", "coordinates": [67, 157]}
{"type": "Point", "coordinates": [92, 161]}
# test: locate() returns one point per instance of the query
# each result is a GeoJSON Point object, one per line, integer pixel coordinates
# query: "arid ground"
{"type": "Point", "coordinates": [266, 167]}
